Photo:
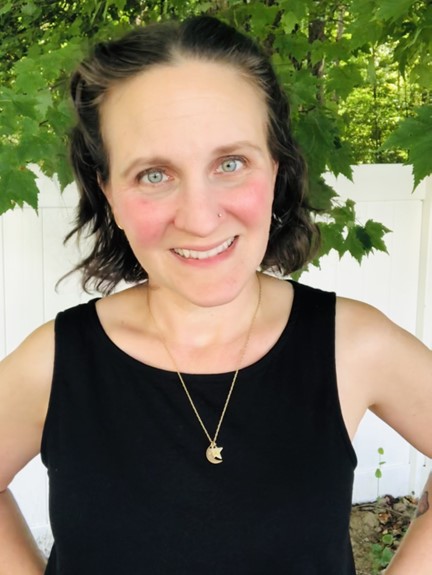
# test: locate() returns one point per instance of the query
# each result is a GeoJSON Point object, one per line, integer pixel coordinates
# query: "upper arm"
{"type": "Point", "coordinates": [25, 383]}
{"type": "Point", "coordinates": [387, 370]}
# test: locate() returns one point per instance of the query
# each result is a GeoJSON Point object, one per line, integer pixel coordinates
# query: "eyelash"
{"type": "Point", "coordinates": [149, 171]}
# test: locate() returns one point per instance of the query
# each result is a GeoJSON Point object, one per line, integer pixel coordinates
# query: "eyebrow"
{"type": "Point", "coordinates": [161, 161]}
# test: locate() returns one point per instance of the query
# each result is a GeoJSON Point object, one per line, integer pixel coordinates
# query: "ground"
{"type": "Point", "coordinates": [376, 531]}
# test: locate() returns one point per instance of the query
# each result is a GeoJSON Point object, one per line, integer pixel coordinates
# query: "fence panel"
{"type": "Point", "coordinates": [32, 258]}
{"type": "Point", "coordinates": [394, 284]}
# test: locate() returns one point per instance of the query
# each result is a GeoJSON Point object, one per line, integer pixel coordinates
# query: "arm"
{"type": "Point", "coordinates": [19, 552]}
{"type": "Point", "coordinates": [414, 556]}
{"type": "Point", "coordinates": [25, 378]}
{"type": "Point", "coordinates": [384, 368]}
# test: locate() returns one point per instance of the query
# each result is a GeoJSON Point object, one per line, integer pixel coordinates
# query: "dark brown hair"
{"type": "Point", "coordinates": [293, 235]}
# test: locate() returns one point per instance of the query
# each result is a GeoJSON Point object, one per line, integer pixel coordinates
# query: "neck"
{"type": "Point", "coordinates": [182, 324]}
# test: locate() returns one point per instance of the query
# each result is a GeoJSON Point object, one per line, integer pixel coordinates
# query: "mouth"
{"type": "Point", "coordinates": [203, 255]}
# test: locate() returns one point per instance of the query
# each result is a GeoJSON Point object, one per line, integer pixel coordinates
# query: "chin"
{"type": "Point", "coordinates": [219, 293]}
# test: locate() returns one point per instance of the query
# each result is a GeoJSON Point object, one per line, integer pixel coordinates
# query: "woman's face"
{"type": "Point", "coordinates": [191, 177]}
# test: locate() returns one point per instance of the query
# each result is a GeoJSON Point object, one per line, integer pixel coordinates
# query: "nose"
{"type": "Point", "coordinates": [198, 212]}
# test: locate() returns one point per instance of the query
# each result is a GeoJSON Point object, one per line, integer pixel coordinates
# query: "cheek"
{"type": "Point", "coordinates": [143, 221]}
{"type": "Point", "coordinates": [256, 200]}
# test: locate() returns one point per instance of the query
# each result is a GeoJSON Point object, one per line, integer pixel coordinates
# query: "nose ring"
{"type": "Point", "coordinates": [219, 215]}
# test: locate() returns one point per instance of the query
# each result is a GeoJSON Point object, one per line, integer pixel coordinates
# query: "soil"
{"type": "Point", "coordinates": [377, 529]}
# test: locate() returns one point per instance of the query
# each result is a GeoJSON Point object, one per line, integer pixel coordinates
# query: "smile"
{"type": "Point", "coordinates": [202, 255]}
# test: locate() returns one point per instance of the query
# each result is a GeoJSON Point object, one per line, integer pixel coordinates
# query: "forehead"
{"type": "Point", "coordinates": [189, 97]}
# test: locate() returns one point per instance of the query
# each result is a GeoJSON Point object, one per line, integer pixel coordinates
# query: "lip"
{"type": "Point", "coordinates": [202, 255]}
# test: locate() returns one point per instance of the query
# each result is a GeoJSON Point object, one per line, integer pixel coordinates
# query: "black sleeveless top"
{"type": "Point", "coordinates": [131, 491]}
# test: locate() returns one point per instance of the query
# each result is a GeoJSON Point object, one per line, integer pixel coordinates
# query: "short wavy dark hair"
{"type": "Point", "coordinates": [293, 235]}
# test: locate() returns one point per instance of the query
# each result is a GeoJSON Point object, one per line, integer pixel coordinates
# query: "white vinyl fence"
{"type": "Point", "coordinates": [32, 258]}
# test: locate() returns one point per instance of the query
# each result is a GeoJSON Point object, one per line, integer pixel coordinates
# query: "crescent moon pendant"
{"type": "Point", "coordinates": [213, 453]}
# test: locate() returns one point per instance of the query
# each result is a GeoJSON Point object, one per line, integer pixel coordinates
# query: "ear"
{"type": "Point", "coordinates": [275, 171]}
{"type": "Point", "coordinates": [103, 187]}
{"type": "Point", "coordinates": [106, 189]}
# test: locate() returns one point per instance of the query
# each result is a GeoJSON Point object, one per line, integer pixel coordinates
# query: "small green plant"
{"type": "Point", "coordinates": [378, 471]}
{"type": "Point", "coordinates": [382, 553]}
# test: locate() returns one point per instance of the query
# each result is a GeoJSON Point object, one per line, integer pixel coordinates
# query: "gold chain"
{"type": "Point", "coordinates": [213, 452]}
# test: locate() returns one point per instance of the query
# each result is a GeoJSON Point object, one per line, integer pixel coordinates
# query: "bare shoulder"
{"type": "Point", "coordinates": [354, 313]}
{"type": "Point", "coordinates": [25, 384]}
{"type": "Point", "coordinates": [364, 330]}
{"type": "Point", "coordinates": [386, 369]}
{"type": "Point", "coordinates": [123, 307]}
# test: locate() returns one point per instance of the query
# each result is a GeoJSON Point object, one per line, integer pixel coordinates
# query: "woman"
{"type": "Point", "coordinates": [201, 420]}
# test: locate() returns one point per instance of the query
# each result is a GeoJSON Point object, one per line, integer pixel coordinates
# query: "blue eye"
{"type": "Point", "coordinates": [153, 176]}
{"type": "Point", "coordinates": [230, 165]}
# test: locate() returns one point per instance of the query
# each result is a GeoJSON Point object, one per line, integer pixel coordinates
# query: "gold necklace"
{"type": "Point", "coordinates": [213, 451]}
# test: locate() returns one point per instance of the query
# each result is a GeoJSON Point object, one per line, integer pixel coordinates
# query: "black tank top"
{"type": "Point", "coordinates": [131, 491]}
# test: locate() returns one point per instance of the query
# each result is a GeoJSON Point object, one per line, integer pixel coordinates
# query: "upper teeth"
{"type": "Point", "coordinates": [202, 255]}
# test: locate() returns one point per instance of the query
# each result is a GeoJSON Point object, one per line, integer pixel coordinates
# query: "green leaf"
{"type": "Point", "coordinates": [26, 106]}
{"type": "Point", "coordinates": [378, 473]}
{"type": "Point", "coordinates": [415, 135]}
{"type": "Point", "coordinates": [301, 86]}
{"type": "Point", "coordinates": [376, 232]}
{"type": "Point", "coordinates": [289, 20]}
{"type": "Point", "coordinates": [370, 236]}
{"type": "Point", "coordinates": [344, 215]}
{"type": "Point", "coordinates": [64, 172]}
{"type": "Point", "coordinates": [364, 238]}
{"type": "Point", "coordinates": [297, 7]}
{"type": "Point", "coordinates": [354, 243]}
{"type": "Point", "coordinates": [343, 79]}
{"type": "Point", "coordinates": [293, 47]}
{"type": "Point", "coordinates": [388, 539]}
{"type": "Point", "coordinates": [320, 194]}
{"type": "Point", "coordinates": [262, 18]}
{"type": "Point", "coordinates": [331, 239]}
{"type": "Point", "coordinates": [6, 8]}
{"type": "Point", "coordinates": [421, 74]}
{"type": "Point", "coordinates": [340, 158]}
{"type": "Point", "coordinates": [319, 137]}
{"type": "Point", "coordinates": [317, 52]}
{"type": "Point", "coordinates": [29, 9]}
{"type": "Point", "coordinates": [44, 101]}
{"type": "Point", "coordinates": [28, 76]}
{"type": "Point", "coordinates": [386, 557]}
{"type": "Point", "coordinates": [364, 28]}
{"type": "Point", "coordinates": [339, 51]}
{"type": "Point", "coordinates": [18, 186]}
{"type": "Point", "coordinates": [393, 9]}
{"type": "Point", "coordinates": [380, 450]}
{"type": "Point", "coordinates": [315, 132]}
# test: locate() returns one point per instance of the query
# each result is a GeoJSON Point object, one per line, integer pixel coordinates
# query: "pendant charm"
{"type": "Point", "coordinates": [213, 453]}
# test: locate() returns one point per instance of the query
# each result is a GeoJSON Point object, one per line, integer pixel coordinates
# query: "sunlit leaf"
{"type": "Point", "coordinates": [393, 9]}
{"type": "Point", "coordinates": [415, 135]}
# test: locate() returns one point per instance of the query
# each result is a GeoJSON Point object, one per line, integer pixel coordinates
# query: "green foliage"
{"type": "Point", "coordinates": [358, 74]}
{"type": "Point", "coordinates": [373, 110]}
{"type": "Point", "coordinates": [378, 472]}
{"type": "Point", "coordinates": [415, 134]}
{"type": "Point", "coordinates": [382, 553]}
{"type": "Point", "coordinates": [341, 232]}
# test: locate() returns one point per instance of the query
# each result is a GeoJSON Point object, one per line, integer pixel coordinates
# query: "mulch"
{"type": "Point", "coordinates": [377, 529]}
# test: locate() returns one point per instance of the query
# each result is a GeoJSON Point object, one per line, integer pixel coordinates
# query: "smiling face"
{"type": "Point", "coordinates": [191, 177]}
